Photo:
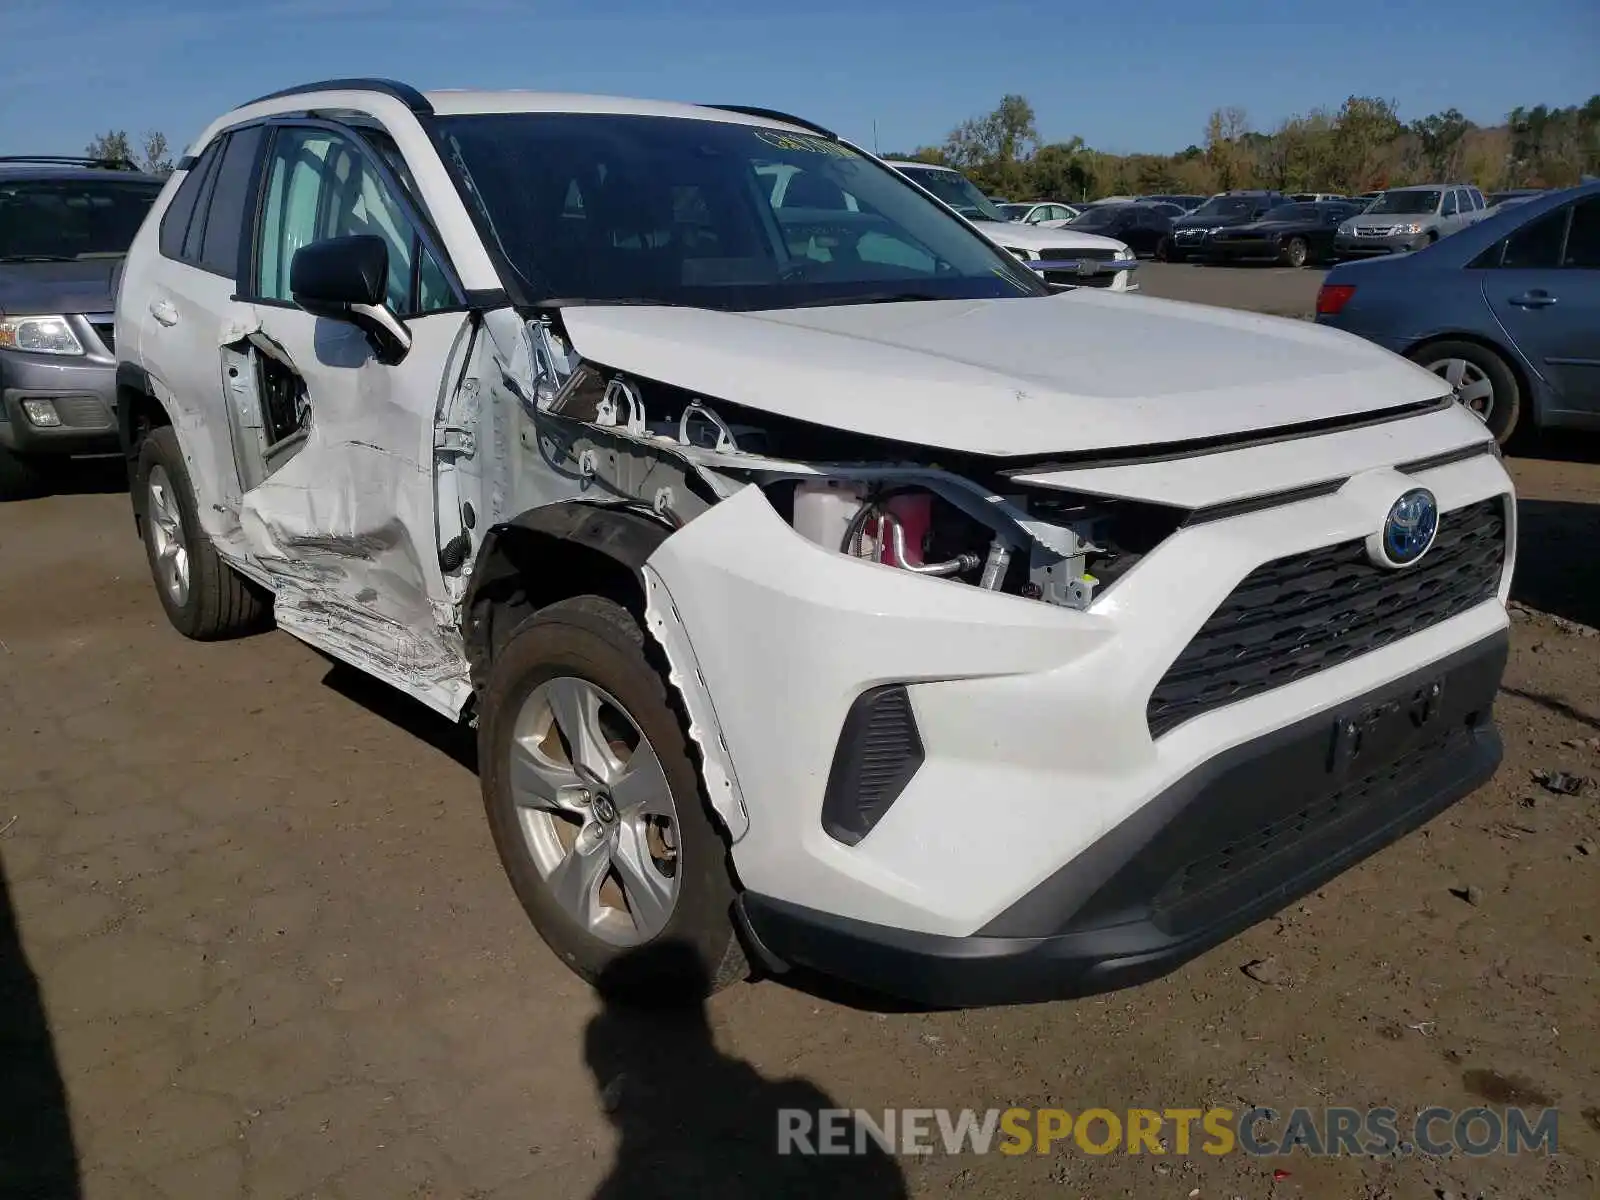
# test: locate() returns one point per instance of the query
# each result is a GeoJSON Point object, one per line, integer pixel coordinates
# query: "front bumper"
{"type": "Point", "coordinates": [1345, 246]}
{"type": "Point", "coordinates": [82, 391]}
{"type": "Point", "coordinates": [1034, 720]}
{"type": "Point", "coordinates": [1231, 842]}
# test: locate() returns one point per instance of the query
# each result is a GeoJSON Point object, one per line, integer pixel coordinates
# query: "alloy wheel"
{"type": "Point", "coordinates": [596, 811]}
{"type": "Point", "coordinates": [1473, 388]}
{"type": "Point", "coordinates": [166, 531]}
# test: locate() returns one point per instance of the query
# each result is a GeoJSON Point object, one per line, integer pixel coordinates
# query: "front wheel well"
{"type": "Point", "coordinates": [138, 414]}
{"type": "Point", "coordinates": [547, 556]}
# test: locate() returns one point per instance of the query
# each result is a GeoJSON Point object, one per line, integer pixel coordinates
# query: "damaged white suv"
{"type": "Point", "coordinates": [828, 591]}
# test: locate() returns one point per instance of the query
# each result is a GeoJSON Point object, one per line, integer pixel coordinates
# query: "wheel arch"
{"type": "Point", "coordinates": [1527, 380]}
{"type": "Point", "coordinates": [548, 554]}
{"type": "Point", "coordinates": [138, 412]}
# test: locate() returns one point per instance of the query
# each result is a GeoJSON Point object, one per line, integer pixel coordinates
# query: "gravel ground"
{"type": "Point", "coordinates": [256, 943]}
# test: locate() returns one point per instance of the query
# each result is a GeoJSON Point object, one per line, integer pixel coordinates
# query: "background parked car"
{"type": "Point", "coordinates": [1292, 234]}
{"type": "Point", "coordinates": [65, 227]}
{"type": "Point", "coordinates": [1144, 227]}
{"type": "Point", "coordinates": [1191, 233]}
{"type": "Point", "coordinates": [1109, 263]}
{"type": "Point", "coordinates": [1507, 311]}
{"type": "Point", "coordinates": [1409, 218]}
{"type": "Point", "coordinates": [1316, 197]}
{"type": "Point", "coordinates": [1049, 214]}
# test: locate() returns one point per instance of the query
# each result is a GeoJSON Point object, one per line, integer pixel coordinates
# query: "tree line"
{"type": "Point", "coordinates": [152, 155]}
{"type": "Point", "coordinates": [1361, 146]}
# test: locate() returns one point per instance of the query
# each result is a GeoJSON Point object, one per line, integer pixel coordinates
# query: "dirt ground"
{"type": "Point", "coordinates": [257, 943]}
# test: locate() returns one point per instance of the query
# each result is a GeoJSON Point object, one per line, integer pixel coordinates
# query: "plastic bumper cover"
{"type": "Point", "coordinates": [1244, 834]}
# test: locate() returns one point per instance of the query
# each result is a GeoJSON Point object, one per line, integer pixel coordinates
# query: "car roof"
{"type": "Point", "coordinates": [1427, 187]}
{"type": "Point", "coordinates": [26, 171]}
{"type": "Point", "coordinates": [386, 96]}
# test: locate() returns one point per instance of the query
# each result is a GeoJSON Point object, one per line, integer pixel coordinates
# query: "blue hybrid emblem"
{"type": "Point", "coordinates": [1410, 527]}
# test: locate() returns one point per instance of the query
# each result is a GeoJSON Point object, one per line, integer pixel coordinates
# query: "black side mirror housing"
{"type": "Point", "coordinates": [347, 279]}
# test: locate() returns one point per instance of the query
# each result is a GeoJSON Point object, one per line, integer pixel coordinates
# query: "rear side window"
{"type": "Point", "coordinates": [175, 222]}
{"type": "Point", "coordinates": [206, 219]}
{"type": "Point", "coordinates": [224, 223]}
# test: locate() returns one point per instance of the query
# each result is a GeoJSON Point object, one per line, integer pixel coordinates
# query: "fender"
{"type": "Point", "coordinates": [529, 561]}
{"type": "Point", "coordinates": [576, 546]}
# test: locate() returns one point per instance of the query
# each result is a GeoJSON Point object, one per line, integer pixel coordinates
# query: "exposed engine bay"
{"type": "Point", "coordinates": [905, 507]}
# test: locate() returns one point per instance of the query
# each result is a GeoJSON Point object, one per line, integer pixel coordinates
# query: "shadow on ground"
{"type": "Point", "coordinates": [99, 475]}
{"type": "Point", "coordinates": [1558, 559]}
{"type": "Point", "coordinates": [37, 1158]}
{"type": "Point", "coordinates": [694, 1122]}
{"type": "Point", "coordinates": [457, 741]}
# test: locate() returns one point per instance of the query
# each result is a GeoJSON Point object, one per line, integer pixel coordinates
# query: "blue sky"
{"type": "Point", "coordinates": [1129, 75]}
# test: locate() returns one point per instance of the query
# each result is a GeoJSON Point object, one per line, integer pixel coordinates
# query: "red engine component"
{"type": "Point", "coordinates": [913, 514]}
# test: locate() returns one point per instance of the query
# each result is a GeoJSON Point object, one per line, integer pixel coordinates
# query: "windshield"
{"type": "Point", "coordinates": [1015, 212]}
{"type": "Point", "coordinates": [1100, 215]}
{"type": "Point", "coordinates": [604, 208]}
{"type": "Point", "coordinates": [1228, 206]}
{"type": "Point", "coordinates": [64, 219]}
{"type": "Point", "coordinates": [959, 192]}
{"type": "Point", "coordinates": [1405, 202]}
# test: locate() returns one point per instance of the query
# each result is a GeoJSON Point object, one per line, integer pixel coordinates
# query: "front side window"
{"type": "Point", "coordinates": [59, 220]}
{"type": "Point", "coordinates": [661, 210]}
{"type": "Point", "coordinates": [320, 185]}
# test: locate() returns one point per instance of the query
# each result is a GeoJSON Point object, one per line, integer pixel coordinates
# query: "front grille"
{"type": "Point", "coordinates": [1295, 616]}
{"type": "Point", "coordinates": [1073, 254]}
{"type": "Point", "coordinates": [1374, 230]}
{"type": "Point", "coordinates": [106, 332]}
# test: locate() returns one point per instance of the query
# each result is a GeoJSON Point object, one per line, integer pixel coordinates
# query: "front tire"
{"type": "Point", "coordinates": [1296, 253]}
{"type": "Point", "coordinates": [203, 597]}
{"type": "Point", "coordinates": [597, 812]}
{"type": "Point", "coordinates": [1483, 381]}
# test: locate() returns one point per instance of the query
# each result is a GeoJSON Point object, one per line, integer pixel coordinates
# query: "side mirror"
{"type": "Point", "coordinates": [347, 279]}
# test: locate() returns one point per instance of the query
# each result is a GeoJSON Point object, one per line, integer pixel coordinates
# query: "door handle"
{"type": "Point", "coordinates": [1534, 299]}
{"type": "Point", "coordinates": [164, 312]}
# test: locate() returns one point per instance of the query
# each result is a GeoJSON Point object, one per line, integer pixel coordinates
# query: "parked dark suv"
{"type": "Point", "coordinates": [65, 226]}
{"type": "Point", "coordinates": [1191, 235]}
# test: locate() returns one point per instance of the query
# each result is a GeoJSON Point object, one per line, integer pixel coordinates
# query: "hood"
{"type": "Point", "coordinates": [1031, 237]}
{"type": "Point", "coordinates": [1025, 376]}
{"type": "Point", "coordinates": [81, 286]}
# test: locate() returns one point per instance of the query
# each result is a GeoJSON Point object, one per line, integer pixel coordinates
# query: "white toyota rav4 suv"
{"type": "Point", "coordinates": [827, 591]}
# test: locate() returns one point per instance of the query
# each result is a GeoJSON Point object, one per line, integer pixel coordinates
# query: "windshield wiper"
{"type": "Point", "coordinates": [869, 298]}
{"type": "Point", "coordinates": [609, 301]}
{"type": "Point", "coordinates": [31, 258]}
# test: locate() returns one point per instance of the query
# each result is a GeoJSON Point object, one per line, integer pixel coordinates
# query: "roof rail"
{"type": "Point", "coordinates": [773, 114]}
{"type": "Point", "coordinates": [73, 160]}
{"type": "Point", "coordinates": [403, 92]}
